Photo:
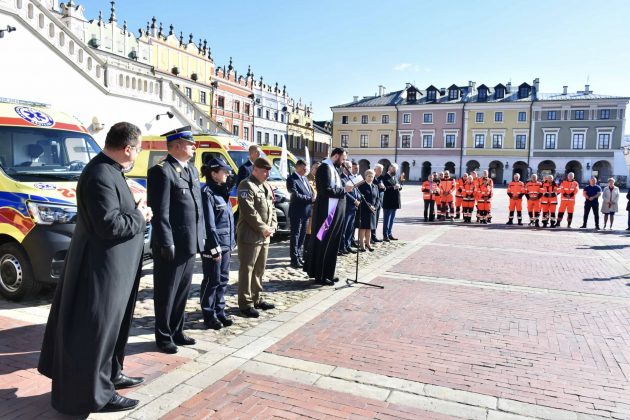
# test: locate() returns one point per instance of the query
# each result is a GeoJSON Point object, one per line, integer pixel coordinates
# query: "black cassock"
{"type": "Point", "coordinates": [89, 320]}
{"type": "Point", "coordinates": [322, 255]}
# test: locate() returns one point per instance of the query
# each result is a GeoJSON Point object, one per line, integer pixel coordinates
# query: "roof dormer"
{"type": "Point", "coordinates": [432, 92]}
{"type": "Point", "coordinates": [453, 93]}
{"type": "Point", "coordinates": [524, 90]}
{"type": "Point", "coordinates": [499, 91]}
{"type": "Point", "coordinates": [413, 94]}
{"type": "Point", "coordinates": [482, 93]}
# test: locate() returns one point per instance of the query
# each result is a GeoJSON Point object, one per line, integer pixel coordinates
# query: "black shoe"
{"type": "Point", "coordinates": [168, 348]}
{"type": "Point", "coordinates": [520, 223]}
{"type": "Point", "coordinates": [340, 253]}
{"type": "Point", "coordinates": [375, 239]}
{"type": "Point", "coordinates": [265, 306]}
{"type": "Point", "coordinates": [123, 381]}
{"type": "Point", "coordinates": [335, 279]}
{"type": "Point", "coordinates": [296, 265]}
{"type": "Point", "coordinates": [391, 238]}
{"type": "Point", "coordinates": [225, 320]}
{"type": "Point", "coordinates": [250, 312]}
{"type": "Point", "coordinates": [325, 282]}
{"type": "Point", "coordinates": [596, 227]}
{"type": "Point", "coordinates": [301, 262]}
{"type": "Point", "coordinates": [537, 223]}
{"type": "Point", "coordinates": [385, 239]}
{"type": "Point", "coordinates": [351, 251]}
{"type": "Point", "coordinates": [184, 340]}
{"type": "Point", "coordinates": [354, 244]}
{"type": "Point", "coordinates": [509, 222]}
{"type": "Point", "coordinates": [118, 403]}
{"type": "Point", "coordinates": [583, 227]}
{"type": "Point", "coordinates": [213, 323]}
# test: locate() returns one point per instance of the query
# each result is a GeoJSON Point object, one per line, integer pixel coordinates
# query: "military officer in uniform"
{"type": "Point", "coordinates": [174, 194]}
{"type": "Point", "coordinates": [256, 225]}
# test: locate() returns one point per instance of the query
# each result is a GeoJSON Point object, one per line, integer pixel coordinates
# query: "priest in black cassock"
{"type": "Point", "coordinates": [89, 320]}
{"type": "Point", "coordinates": [328, 220]}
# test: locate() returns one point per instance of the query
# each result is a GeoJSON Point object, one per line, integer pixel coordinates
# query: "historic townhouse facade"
{"type": "Point", "coordinates": [579, 132]}
{"type": "Point", "coordinates": [498, 125]}
{"type": "Point", "coordinates": [367, 128]}
{"type": "Point", "coordinates": [271, 114]}
{"type": "Point", "coordinates": [501, 128]}
{"type": "Point", "coordinates": [300, 130]}
{"type": "Point", "coordinates": [322, 140]}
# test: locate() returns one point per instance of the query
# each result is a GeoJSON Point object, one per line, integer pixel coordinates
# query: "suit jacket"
{"type": "Point", "coordinates": [174, 195]}
{"type": "Point", "coordinates": [244, 171]}
{"type": "Point", "coordinates": [301, 197]}
{"type": "Point", "coordinates": [352, 196]}
{"type": "Point", "coordinates": [391, 197]}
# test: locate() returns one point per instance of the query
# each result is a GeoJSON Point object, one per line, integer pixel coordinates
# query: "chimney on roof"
{"type": "Point", "coordinates": [471, 85]}
{"type": "Point", "coordinates": [565, 90]}
{"type": "Point", "coordinates": [536, 85]}
{"type": "Point", "coordinates": [587, 90]}
{"type": "Point", "coordinates": [381, 90]}
{"type": "Point", "coordinates": [442, 91]}
{"type": "Point", "coordinates": [355, 99]}
{"type": "Point", "coordinates": [508, 87]}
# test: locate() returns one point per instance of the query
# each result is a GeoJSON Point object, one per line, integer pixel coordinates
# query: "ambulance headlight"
{"type": "Point", "coordinates": [50, 213]}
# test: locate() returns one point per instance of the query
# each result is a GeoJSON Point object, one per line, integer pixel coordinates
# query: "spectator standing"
{"type": "Point", "coordinates": [591, 193]}
{"type": "Point", "coordinates": [391, 201]}
{"type": "Point", "coordinates": [302, 197]}
{"type": "Point", "coordinates": [353, 200]}
{"type": "Point", "coordinates": [367, 220]}
{"type": "Point", "coordinates": [610, 202]}
{"type": "Point", "coordinates": [245, 170]}
{"type": "Point", "coordinates": [378, 173]}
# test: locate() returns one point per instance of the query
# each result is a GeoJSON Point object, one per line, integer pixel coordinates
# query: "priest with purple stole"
{"type": "Point", "coordinates": [328, 219]}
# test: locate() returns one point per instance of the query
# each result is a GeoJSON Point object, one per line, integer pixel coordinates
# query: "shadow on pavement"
{"type": "Point", "coordinates": [20, 348]}
{"type": "Point", "coordinates": [622, 276]}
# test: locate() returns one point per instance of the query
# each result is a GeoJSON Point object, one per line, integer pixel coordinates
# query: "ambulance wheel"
{"type": "Point", "coordinates": [16, 275]}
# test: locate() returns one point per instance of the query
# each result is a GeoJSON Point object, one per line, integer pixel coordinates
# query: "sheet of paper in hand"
{"type": "Point", "coordinates": [357, 179]}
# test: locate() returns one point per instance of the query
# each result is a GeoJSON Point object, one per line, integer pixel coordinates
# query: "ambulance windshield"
{"type": "Point", "coordinates": [28, 154]}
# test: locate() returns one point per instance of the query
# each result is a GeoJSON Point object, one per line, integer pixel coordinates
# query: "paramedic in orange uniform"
{"type": "Point", "coordinates": [549, 201]}
{"type": "Point", "coordinates": [568, 191]}
{"type": "Point", "coordinates": [533, 192]}
{"type": "Point", "coordinates": [438, 197]}
{"type": "Point", "coordinates": [468, 199]}
{"type": "Point", "coordinates": [459, 195]}
{"type": "Point", "coordinates": [516, 191]}
{"type": "Point", "coordinates": [484, 197]}
{"type": "Point", "coordinates": [429, 202]}
{"type": "Point", "coordinates": [447, 187]}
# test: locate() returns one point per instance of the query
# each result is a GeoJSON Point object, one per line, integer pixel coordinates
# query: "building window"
{"type": "Point", "coordinates": [604, 114]}
{"type": "Point", "coordinates": [578, 141]}
{"type": "Point", "coordinates": [237, 106]}
{"type": "Point", "coordinates": [520, 141]}
{"type": "Point", "coordinates": [266, 138]}
{"type": "Point", "coordinates": [246, 133]}
{"type": "Point", "coordinates": [384, 140]}
{"type": "Point", "coordinates": [480, 141]}
{"type": "Point", "coordinates": [579, 114]}
{"type": "Point", "coordinates": [406, 118]}
{"type": "Point", "coordinates": [552, 115]}
{"type": "Point", "coordinates": [202, 97]}
{"type": "Point", "coordinates": [259, 112]}
{"type": "Point", "coordinates": [431, 95]}
{"type": "Point", "coordinates": [364, 141]}
{"type": "Point", "coordinates": [344, 119]}
{"type": "Point", "coordinates": [220, 102]}
{"type": "Point", "coordinates": [259, 137]}
{"type": "Point", "coordinates": [497, 141]}
{"type": "Point", "coordinates": [344, 140]}
{"type": "Point", "coordinates": [453, 94]}
{"type": "Point", "coordinates": [450, 141]}
{"type": "Point", "coordinates": [522, 116]}
{"type": "Point", "coordinates": [275, 116]}
{"type": "Point", "coordinates": [235, 130]}
{"type": "Point", "coordinates": [406, 141]}
{"type": "Point", "coordinates": [479, 117]}
{"type": "Point", "coordinates": [385, 119]}
{"type": "Point", "coordinates": [281, 117]}
{"type": "Point", "coordinates": [246, 109]}
{"type": "Point", "coordinates": [427, 118]}
{"type": "Point", "coordinates": [188, 92]}
{"type": "Point", "coordinates": [427, 141]}
{"type": "Point", "coordinates": [267, 114]}
{"type": "Point", "coordinates": [364, 119]}
{"type": "Point", "coordinates": [550, 141]}
{"type": "Point", "coordinates": [450, 118]}
{"type": "Point", "coordinates": [275, 139]}
{"type": "Point", "coordinates": [498, 116]}
{"type": "Point", "coordinates": [603, 141]}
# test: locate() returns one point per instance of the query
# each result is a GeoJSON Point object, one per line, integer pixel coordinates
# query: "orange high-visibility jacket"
{"type": "Point", "coordinates": [533, 190]}
{"type": "Point", "coordinates": [459, 191]}
{"type": "Point", "coordinates": [484, 192]}
{"type": "Point", "coordinates": [517, 189]}
{"type": "Point", "coordinates": [426, 190]}
{"type": "Point", "coordinates": [550, 192]}
{"type": "Point", "coordinates": [568, 190]}
{"type": "Point", "coordinates": [447, 186]}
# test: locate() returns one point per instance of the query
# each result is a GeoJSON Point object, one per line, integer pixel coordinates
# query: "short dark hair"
{"type": "Point", "coordinates": [337, 151]}
{"type": "Point", "coordinates": [355, 163]}
{"type": "Point", "coordinates": [121, 135]}
{"type": "Point", "coordinates": [300, 162]}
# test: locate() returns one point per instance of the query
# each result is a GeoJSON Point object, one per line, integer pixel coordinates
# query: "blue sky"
{"type": "Point", "coordinates": [327, 51]}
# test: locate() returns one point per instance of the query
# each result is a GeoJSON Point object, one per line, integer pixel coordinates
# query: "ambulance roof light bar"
{"type": "Point", "coordinates": [22, 102]}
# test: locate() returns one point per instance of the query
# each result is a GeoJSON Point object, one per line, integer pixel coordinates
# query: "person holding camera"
{"type": "Point", "coordinates": [256, 225]}
{"type": "Point", "coordinates": [220, 242]}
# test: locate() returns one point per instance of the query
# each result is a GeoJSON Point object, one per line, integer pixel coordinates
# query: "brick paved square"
{"type": "Point", "coordinates": [242, 395]}
{"type": "Point", "coordinates": [553, 350]}
{"type": "Point", "coordinates": [24, 393]}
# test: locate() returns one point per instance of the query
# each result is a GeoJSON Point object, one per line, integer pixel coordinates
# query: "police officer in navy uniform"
{"type": "Point", "coordinates": [174, 194]}
{"type": "Point", "coordinates": [217, 211]}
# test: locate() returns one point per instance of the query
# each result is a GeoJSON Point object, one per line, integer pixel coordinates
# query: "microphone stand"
{"type": "Point", "coordinates": [352, 282]}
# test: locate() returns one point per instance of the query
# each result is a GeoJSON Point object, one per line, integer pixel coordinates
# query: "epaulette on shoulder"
{"type": "Point", "coordinates": [160, 163]}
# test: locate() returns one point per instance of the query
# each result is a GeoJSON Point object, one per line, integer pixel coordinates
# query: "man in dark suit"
{"type": "Point", "coordinates": [174, 194]}
{"type": "Point", "coordinates": [302, 197]}
{"type": "Point", "coordinates": [91, 313]}
{"type": "Point", "coordinates": [245, 170]}
{"type": "Point", "coordinates": [353, 200]}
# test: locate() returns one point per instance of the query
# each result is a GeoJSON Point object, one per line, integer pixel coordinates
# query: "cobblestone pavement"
{"type": "Point", "coordinates": [475, 321]}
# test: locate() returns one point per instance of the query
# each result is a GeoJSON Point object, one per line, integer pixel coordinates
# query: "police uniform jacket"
{"type": "Point", "coordinates": [174, 195]}
{"type": "Point", "coordinates": [256, 211]}
{"type": "Point", "coordinates": [217, 211]}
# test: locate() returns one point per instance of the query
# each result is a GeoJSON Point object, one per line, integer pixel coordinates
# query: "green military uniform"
{"type": "Point", "coordinates": [256, 214]}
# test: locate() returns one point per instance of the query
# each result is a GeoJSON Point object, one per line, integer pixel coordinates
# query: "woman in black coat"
{"type": "Point", "coordinates": [369, 203]}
